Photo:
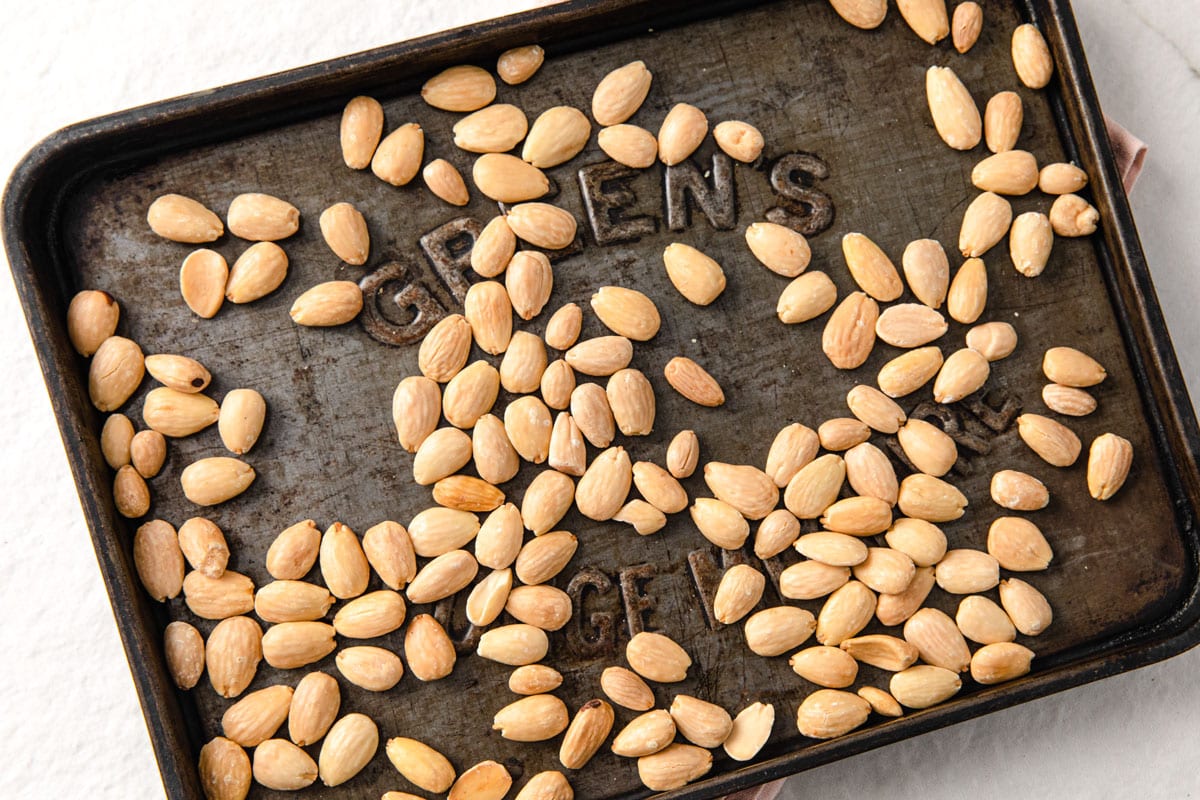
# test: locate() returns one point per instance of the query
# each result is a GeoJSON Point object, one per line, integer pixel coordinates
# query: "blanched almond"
{"type": "Point", "coordinates": [443, 576]}
{"type": "Point", "coordinates": [829, 713]}
{"type": "Point", "coordinates": [486, 780]}
{"type": "Point", "coordinates": [542, 225]}
{"type": "Point", "coordinates": [807, 297]}
{"type": "Point", "coordinates": [1012, 172]}
{"type": "Point", "coordinates": [314, 708]}
{"type": "Point", "coordinates": [967, 571]}
{"type": "Point", "coordinates": [931, 499]}
{"type": "Point", "coordinates": [875, 408]}
{"type": "Point", "coordinates": [966, 25]}
{"type": "Point", "coordinates": [893, 609]}
{"type": "Point", "coordinates": [845, 613]}
{"type": "Point", "coordinates": [1061, 178]}
{"type": "Point", "coordinates": [674, 766]}
{"type": "Point", "coordinates": [470, 394]}
{"type": "Point", "coordinates": [982, 621]}
{"type": "Point", "coordinates": [657, 657]}
{"type": "Point", "coordinates": [178, 414]}
{"type": "Point", "coordinates": [924, 685]}
{"type": "Point", "coordinates": [527, 423]}
{"type": "Point", "coordinates": [984, 223]}
{"type": "Point", "coordinates": [938, 640]}
{"type": "Point", "coordinates": [858, 516]}
{"type": "Point", "coordinates": [588, 730]}
{"type": "Point", "coordinates": [994, 340]}
{"type": "Point", "coordinates": [535, 679]}
{"type": "Point", "coordinates": [683, 454]}
{"type": "Point", "coordinates": [921, 541]}
{"type": "Point", "coordinates": [420, 764]}
{"type": "Point", "coordinates": [774, 631]}
{"type": "Point", "coordinates": [558, 382]}
{"type": "Point", "coordinates": [1000, 662]}
{"type": "Point", "coordinates": [416, 409]}
{"type": "Point", "coordinates": [645, 518]}
{"type": "Point", "coordinates": [446, 182]}
{"type": "Point", "coordinates": [292, 601]}
{"type": "Point", "coordinates": [604, 486]}
{"type": "Point", "coordinates": [740, 590]}
{"type": "Point", "coordinates": [885, 570]}
{"type": "Point", "coordinates": [493, 248]}
{"type": "Point", "coordinates": [183, 647]}
{"type": "Point", "coordinates": [1109, 460]}
{"type": "Point", "coordinates": [202, 280]}
{"type": "Point", "coordinates": [557, 136]}
{"type": "Point", "coordinates": [748, 489]}
{"type": "Point", "coordinates": [825, 666]}
{"type": "Point", "coordinates": [682, 131]}
{"type": "Point", "coordinates": [720, 523]}
{"type": "Point", "coordinates": [631, 399]}
{"type": "Point", "coordinates": [1031, 56]}
{"type": "Point", "coordinates": [210, 481]}
{"type": "Point", "coordinates": [258, 271]}
{"type": "Point", "coordinates": [815, 487]}
{"type": "Point", "coordinates": [158, 559]}
{"type": "Point", "coordinates": [116, 371]}
{"type": "Point", "coordinates": [499, 538]}
{"type": "Point", "coordinates": [1025, 606]}
{"type": "Point", "coordinates": [344, 565]}
{"type": "Point", "coordinates": [842, 433]}
{"type": "Point", "coordinates": [620, 93]}
{"type": "Point", "coordinates": [1018, 545]}
{"type": "Point", "coordinates": [131, 496]}
{"type": "Point", "coordinates": [627, 690]}
{"type": "Point", "coordinates": [1054, 442]}
{"type": "Point", "coordinates": [693, 382]}
{"type": "Point", "coordinates": [910, 325]}
{"type": "Point", "coordinates": [881, 702]}
{"type": "Point", "coordinates": [224, 769]}
{"type": "Point", "coordinates": [700, 722]}
{"type": "Point", "coordinates": [881, 651]}
{"type": "Point", "coordinates": [870, 267]}
{"type": "Point", "coordinates": [908, 372]}
{"type": "Point", "coordinates": [1070, 367]}
{"type": "Point", "coordinates": [954, 112]}
{"type": "Point", "coordinates": [116, 439]}
{"type": "Point", "coordinates": [645, 734]}
{"type": "Point", "coordinates": [1071, 215]}
{"type": "Point", "coordinates": [345, 231]}
{"type": "Point", "coordinates": [348, 748]}
{"type": "Point", "coordinates": [927, 271]}
{"type": "Point", "coordinates": [290, 645]}
{"type": "Point", "coordinates": [459, 88]}
{"type": "Point", "coordinates": [567, 452]}
{"type": "Point", "coordinates": [542, 606]}
{"type": "Point", "coordinates": [1002, 121]}
{"type": "Point", "coordinates": [964, 372]}
{"type": "Point", "coordinates": [809, 580]}
{"type": "Point", "coordinates": [591, 411]}
{"type": "Point", "coordinates": [780, 249]}
{"type": "Point", "coordinates": [1030, 242]}
{"type": "Point", "coordinates": [494, 129]}
{"type": "Point", "coordinates": [849, 335]}
{"type": "Point", "coordinates": [968, 292]}
{"type": "Point", "coordinates": [739, 140]}
{"type": "Point", "coordinates": [659, 487]}
{"type": "Point", "coordinates": [294, 551]}
{"type": "Point", "coordinates": [375, 669]}
{"type": "Point", "coordinates": [243, 412]}
{"type": "Point", "coordinates": [833, 549]}
{"type": "Point", "coordinates": [444, 452]}
{"type": "Point", "coordinates": [547, 500]}
{"type": "Point", "coordinates": [398, 157]}
{"type": "Point", "coordinates": [545, 556]}
{"type": "Point", "coordinates": [523, 363]}
{"type": "Point", "coordinates": [628, 145]}
{"type": "Point", "coordinates": [515, 645]}
{"type": "Point", "coordinates": [697, 277]}
{"type": "Point", "coordinates": [428, 650]}
{"type": "Point", "coordinates": [529, 280]}
{"type": "Point", "coordinates": [519, 64]}
{"type": "Point", "coordinates": [626, 312]}
{"type": "Point", "coordinates": [1019, 491]}
{"type": "Point", "coordinates": [927, 18]}
{"type": "Point", "coordinates": [362, 125]}
{"type": "Point", "coordinates": [182, 219]}
{"type": "Point", "coordinates": [507, 179]}
{"type": "Point", "coordinates": [865, 14]}
{"type": "Point", "coordinates": [535, 718]}
{"type": "Point", "coordinates": [390, 552]}
{"type": "Point", "coordinates": [232, 654]}
{"type": "Point", "coordinates": [281, 765]}
{"type": "Point", "coordinates": [262, 217]}
{"type": "Point", "coordinates": [370, 616]}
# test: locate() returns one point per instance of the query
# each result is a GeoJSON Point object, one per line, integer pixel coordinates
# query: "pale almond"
{"type": "Point", "coordinates": [927, 18]}
{"type": "Point", "coordinates": [780, 249]}
{"type": "Point", "coordinates": [420, 764]}
{"type": "Point", "coordinates": [562, 329]}
{"type": "Point", "coordinates": [909, 371]}
{"type": "Point", "coordinates": [232, 654]}
{"type": "Point", "coordinates": [832, 549]}
{"type": "Point", "coordinates": [445, 575]}
{"type": "Point", "coordinates": [131, 495]}
{"type": "Point", "coordinates": [875, 408]}
{"type": "Point", "coordinates": [1000, 662]}
{"type": "Point", "coordinates": [982, 621]}
{"type": "Point", "coordinates": [493, 248]}
{"type": "Point", "coordinates": [683, 454]}
{"type": "Point", "coordinates": [558, 383]}
{"type": "Point", "coordinates": [1109, 460]}
{"type": "Point", "coordinates": [182, 219]}
{"type": "Point", "coordinates": [627, 690]}
{"type": "Point", "coordinates": [846, 612]}
{"type": "Point", "coordinates": [815, 487]}
{"type": "Point", "coordinates": [645, 518]}
{"type": "Point", "coordinates": [1025, 606]}
{"type": "Point", "coordinates": [807, 297]}
{"type": "Point", "coordinates": [700, 722]}
{"type": "Point", "coordinates": [881, 651]}
{"type": "Point", "coordinates": [955, 115]}
{"type": "Point", "coordinates": [370, 616]}
{"type": "Point", "coordinates": [546, 501]}
{"type": "Point", "coordinates": [967, 571]}
{"type": "Point", "coordinates": [487, 315]}
{"type": "Point", "coordinates": [292, 601]}
{"type": "Point", "coordinates": [849, 335]}
{"type": "Point", "coordinates": [628, 145]}
{"type": "Point", "coordinates": [257, 272]}
{"type": "Point", "coordinates": [659, 487]}
{"type": "Point", "coordinates": [829, 713]}
{"type": "Point", "coordinates": [542, 225]}
{"type": "Point", "coordinates": [375, 669]}
{"type": "Point", "coordinates": [893, 609]}
{"type": "Point", "coordinates": [1054, 442]}
{"type": "Point", "coordinates": [927, 271]}
{"type": "Point", "coordinates": [626, 312]}
{"type": "Point", "coordinates": [158, 559]}
{"type": "Point", "coordinates": [881, 702]}
{"type": "Point", "coordinates": [556, 136]}
{"type": "Point", "coordinates": [314, 708]}
{"type": "Point", "coordinates": [631, 399]}
{"type": "Point", "coordinates": [968, 292]}
{"type": "Point", "coordinates": [1070, 367]}
{"type": "Point", "coordinates": [842, 433]}
{"type": "Point", "coordinates": [657, 657]}
{"type": "Point", "coordinates": [147, 452]}
{"type": "Point", "coordinates": [910, 325]}
{"type": "Point", "coordinates": [494, 129]}
{"type": "Point", "coordinates": [398, 157]}
{"type": "Point", "coordinates": [774, 631]}
{"type": "Point", "coordinates": [499, 538]}
{"type": "Point", "coordinates": [361, 128]}
{"type": "Point", "coordinates": [738, 593]}
{"type": "Point", "coordinates": [535, 718]}
{"type": "Point", "coordinates": [279, 764]}
{"type": "Point", "coordinates": [470, 394]}
{"type": "Point", "coordinates": [825, 666]}
{"type": "Point", "coordinates": [542, 606]}
{"type": "Point", "coordinates": [389, 551]}
{"type": "Point", "coordinates": [535, 679]}
{"type": "Point", "coordinates": [1002, 121]}
{"type": "Point", "coordinates": [1018, 545]}
{"type": "Point", "coordinates": [928, 447]}
{"type": "Point", "coordinates": [931, 499]}
{"type": "Point", "coordinates": [739, 140]}
{"type": "Point", "coordinates": [924, 685]}
{"type": "Point", "coordinates": [507, 179]}
{"type": "Point", "coordinates": [116, 371]}
{"type": "Point", "coordinates": [523, 363]}
{"type": "Point", "coordinates": [116, 440]}
{"type": "Point", "coordinates": [344, 565]}
{"type": "Point", "coordinates": [242, 415]}
{"type": "Point", "coordinates": [682, 131]}
{"type": "Point", "coordinates": [870, 267]}
{"type": "Point", "coordinates": [348, 748]}
{"type": "Point", "coordinates": [224, 770]}
{"type": "Point", "coordinates": [1030, 242]}
{"type": "Point", "coordinates": [202, 280]}
{"type": "Point", "coordinates": [514, 645]}
{"type": "Point", "coordinates": [567, 452]}
{"type": "Point", "coordinates": [211, 481]}
{"type": "Point", "coordinates": [993, 340]}
{"type": "Point", "coordinates": [588, 730]}
{"type": "Point", "coordinates": [444, 452]}
{"type": "Point", "coordinates": [592, 413]}
{"type": "Point", "coordinates": [177, 414]}
{"type": "Point", "coordinates": [604, 486]}
{"type": "Point", "coordinates": [865, 14]}
{"type": "Point", "coordinates": [984, 223]}
{"type": "Point", "coordinates": [1071, 216]}
{"type": "Point", "coordinates": [428, 649]}
{"type": "Point", "coordinates": [966, 26]}
{"type": "Point", "coordinates": [1019, 491]}
{"type": "Point", "coordinates": [528, 424]}
{"type": "Point", "coordinates": [529, 280]}
{"type": "Point", "coordinates": [794, 447]}
{"type": "Point", "coordinates": [294, 551]}
{"type": "Point", "coordinates": [517, 65]}
{"type": "Point", "coordinates": [261, 217]}
{"type": "Point", "coordinates": [459, 88]}
{"type": "Point", "coordinates": [645, 734]}
{"type": "Point", "coordinates": [964, 372]}
{"type": "Point", "coordinates": [1012, 172]}
{"type": "Point", "coordinates": [809, 580]}
{"type": "Point", "coordinates": [253, 719]}
{"type": "Point", "coordinates": [938, 640]}
{"type": "Point", "coordinates": [885, 570]}
{"type": "Point", "coordinates": [693, 382]}
{"type": "Point", "coordinates": [1031, 56]}
{"type": "Point", "coordinates": [486, 780]}
{"type": "Point", "coordinates": [620, 93]}
{"type": "Point", "coordinates": [183, 647]}
{"type": "Point", "coordinates": [416, 409]}
{"type": "Point", "coordinates": [674, 766]}
{"type": "Point", "coordinates": [720, 523]}
{"type": "Point", "coordinates": [858, 516]}
{"type": "Point", "coordinates": [698, 277]}
{"type": "Point", "coordinates": [545, 556]}
{"type": "Point", "coordinates": [1061, 178]}
{"type": "Point", "coordinates": [345, 231]}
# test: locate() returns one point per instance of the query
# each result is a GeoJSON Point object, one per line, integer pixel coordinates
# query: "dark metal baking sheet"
{"type": "Point", "coordinates": [849, 147]}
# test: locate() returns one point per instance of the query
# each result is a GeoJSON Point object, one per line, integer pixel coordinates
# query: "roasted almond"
{"type": "Point", "coordinates": [202, 280]}
{"type": "Point", "coordinates": [398, 157]}
{"type": "Point", "coordinates": [116, 440]}
{"type": "Point", "coordinates": [955, 115]}
{"type": "Point", "coordinates": [968, 292]}
{"type": "Point", "coordinates": [909, 371]}
{"type": "Point", "coordinates": [927, 271]}
{"type": "Point", "coordinates": [116, 371]}
{"type": "Point", "coordinates": [470, 394]}
{"type": "Point", "coordinates": [875, 408]}
{"type": "Point", "coordinates": [626, 312]}
{"type": "Point", "coordinates": [224, 769]}
{"type": "Point", "coordinates": [982, 621]}
{"type": "Point", "coordinates": [829, 713]}
{"type": "Point", "coordinates": [774, 631]}
{"type": "Point", "coordinates": [1019, 491]}
{"type": "Point", "coordinates": [993, 340]}
{"type": "Point", "coordinates": [738, 593]}
{"type": "Point", "coordinates": [527, 423]}
{"type": "Point", "coordinates": [620, 93]}
{"type": "Point", "coordinates": [488, 316]}
{"type": "Point", "coordinates": [542, 225]}
{"type": "Point", "coordinates": [232, 654]}
{"type": "Point", "coordinates": [739, 140]}
{"type": "Point", "coordinates": [846, 612]}
{"type": "Point", "coordinates": [631, 400]}
{"type": "Point", "coordinates": [927, 18]}
{"type": "Point", "coordinates": [345, 231]}
{"type": "Point", "coordinates": [966, 26]}
{"type": "Point", "coordinates": [542, 606]}
{"type": "Point", "coordinates": [370, 616]}
{"type": "Point", "coordinates": [507, 179]}
{"type": "Point", "coordinates": [131, 496]}
{"type": "Point", "coordinates": [1054, 442]}
{"type": "Point", "coordinates": [290, 645]}
{"type": "Point", "coordinates": [842, 433]}
{"type": "Point", "coordinates": [964, 372]}
{"type": "Point", "coordinates": [546, 501]}
{"type": "Point", "coordinates": [628, 145]}
{"type": "Point", "coordinates": [534, 679]}
{"type": "Point", "coordinates": [292, 601]}
{"type": "Point", "coordinates": [348, 747]}
{"type": "Point", "coordinates": [1018, 545]}
{"type": "Point", "coordinates": [494, 129]}
{"type": "Point", "coordinates": [545, 556]}
{"type": "Point", "coordinates": [183, 647]}
{"type": "Point", "coordinates": [257, 272]}
{"type": "Point", "coordinates": [253, 719]}
{"type": "Point", "coordinates": [535, 718]}
{"type": "Point", "coordinates": [375, 669]}
{"type": "Point", "coordinates": [362, 125]}
{"type": "Point", "coordinates": [657, 657]}
{"type": "Point", "coordinates": [885, 570]}
{"type": "Point", "coordinates": [515, 645]}
{"type": "Point", "coordinates": [460, 88]}
{"type": "Point", "coordinates": [924, 685]}
{"type": "Point", "coordinates": [486, 780]}
{"type": "Point", "coordinates": [693, 382]}
{"type": "Point", "coordinates": [793, 448]}
{"type": "Point", "coordinates": [487, 599]}
{"type": "Point", "coordinates": [182, 219]}
{"type": "Point", "coordinates": [279, 764]}
{"type": "Point", "coordinates": [780, 249]}
{"type": "Point", "coordinates": [442, 577]}
{"type": "Point", "coordinates": [1031, 56]}
{"type": "Point", "coordinates": [627, 690]}
{"type": "Point", "coordinates": [420, 764]}
{"type": "Point", "coordinates": [211, 481]}
{"type": "Point", "coordinates": [645, 734]}
{"type": "Point", "coordinates": [328, 304]}
{"type": "Point", "coordinates": [557, 136]}
{"type": "Point", "coordinates": [683, 454]}
{"type": "Point", "coordinates": [529, 281]}
{"type": "Point", "coordinates": [807, 297]}
{"type": "Point", "coordinates": [698, 278]}
{"type": "Point", "coordinates": [416, 409]}
{"type": "Point", "coordinates": [832, 549]}
{"type": "Point", "coordinates": [1002, 121]}
{"type": "Point", "coordinates": [923, 542]}
{"type": "Point", "coordinates": [389, 551]}
{"type": "Point", "coordinates": [262, 217]}
{"type": "Point", "coordinates": [494, 247]}
{"type": "Point", "coordinates": [588, 730]}
{"type": "Point", "coordinates": [858, 516]}
{"type": "Point", "coordinates": [645, 518]}
{"type": "Point", "coordinates": [158, 559]}
{"type": "Point", "coordinates": [91, 318]}
{"type": "Point", "coordinates": [1025, 606]}
{"type": "Point", "coordinates": [428, 650]}
{"type": "Point", "coordinates": [870, 267]}
{"type": "Point", "coordinates": [1071, 215]}
{"type": "Point", "coordinates": [523, 363]}
{"type": "Point", "coordinates": [967, 571]}
{"type": "Point", "coordinates": [825, 666]}
{"type": "Point", "coordinates": [931, 499]}
{"type": "Point", "coordinates": [748, 489]}
{"type": "Point", "coordinates": [809, 580]}
{"type": "Point", "coordinates": [1109, 460]}
{"type": "Point", "coordinates": [881, 651]}
{"type": "Point", "coordinates": [938, 640]}
{"type": "Point", "coordinates": [519, 64]}
{"type": "Point", "coordinates": [567, 453]}
{"type": "Point", "coordinates": [720, 523]}
{"type": "Point", "coordinates": [314, 708]}
{"type": "Point", "coordinates": [1012, 172]}
{"type": "Point", "coordinates": [849, 335]}
{"type": "Point", "coordinates": [984, 223]}
{"type": "Point", "coordinates": [344, 565]}
{"type": "Point", "coordinates": [682, 131]}
{"type": "Point", "coordinates": [815, 487]}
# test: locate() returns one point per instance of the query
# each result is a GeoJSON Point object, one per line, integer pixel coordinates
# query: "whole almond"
{"type": "Point", "coordinates": [1002, 121]}
{"type": "Point", "coordinates": [968, 292]}
{"type": "Point", "coordinates": [180, 373]}
{"type": "Point", "coordinates": [443, 576]}
{"type": "Point", "coordinates": [427, 649]}
{"type": "Point", "coordinates": [631, 400]}
{"type": "Point", "coordinates": [1070, 367]}
{"type": "Point", "coordinates": [182, 219]}
{"type": "Point", "coordinates": [1012, 172]}
{"type": "Point", "coordinates": [542, 606]}
{"type": "Point", "coordinates": [1071, 215]}
{"type": "Point", "coordinates": [362, 125]}
{"type": "Point", "coordinates": [253, 719]}
{"type": "Point", "coordinates": [314, 708]}
{"type": "Point", "coordinates": [470, 394]}
{"type": "Point", "coordinates": [825, 666]}
{"type": "Point", "coordinates": [529, 281]}
{"type": "Point", "coordinates": [846, 612]}
{"type": "Point", "coordinates": [562, 329]}
{"type": "Point", "coordinates": [809, 580]}
{"type": "Point", "coordinates": [627, 690]}
{"type": "Point", "coordinates": [344, 565]}
{"type": "Point", "coordinates": [1061, 178]}
{"type": "Point", "coordinates": [348, 748]}
{"type": "Point", "coordinates": [345, 231]}
{"type": "Point", "coordinates": [281, 765]}
{"type": "Point", "coordinates": [739, 140]}
{"type": "Point", "coordinates": [885, 570]}
{"type": "Point", "coordinates": [328, 304]}
{"type": "Point", "coordinates": [870, 267]}
{"type": "Point", "coordinates": [467, 493]}
{"type": "Point", "coordinates": [588, 730]}
{"type": "Point", "coordinates": [833, 549]}
{"type": "Point", "coordinates": [683, 454]}
{"type": "Point", "coordinates": [535, 679]}
{"type": "Point", "coordinates": [645, 518]}
{"type": "Point", "coordinates": [398, 157]}
{"type": "Point", "coordinates": [546, 501]}
{"type": "Point", "coordinates": [1000, 662]}
{"type": "Point", "coordinates": [657, 657]}
{"type": "Point", "coordinates": [849, 335]}
{"type": "Point", "coordinates": [232, 654]}
{"type": "Point", "coordinates": [984, 223]}
{"type": "Point", "coordinates": [545, 556]}
{"type": "Point", "coordinates": [982, 621]}
{"type": "Point", "coordinates": [370, 616]}
{"type": "Point", "coordinates": [1025, 606]}
{"type": "Point", "coordinates": [865, 14]}
{"type": "Point", "coordinates": [416, 409]}
{"type": "Point", "coordinates": [389, 551]}
{"type": "Point", "coordinates": [568, 453]}
{"type": "Point", "coordinates": [620, 93]}
{"type": "Point", "coordinates": [955, 115]}
{"type": "Point", "coordinates": [738, 593]}
{"type": "Point", "coordinates": [693, 382]}
{"type": "Point", "coordinates": [493, 248]}
{"type": "Point", "coordinates": [924, 685]}
{"type": "Point", "coordinates": [211, 481]}
{"type": "Point", "coordinates": [930, 449]}
{"type": "Point", "coordinates": [659, 487]}
{"type": "Point", "coordinates": [257, 272]}
{"type": "Point", "coordinates": [774, 631]}
{"type": "Point", "coordinates": [1109, 460]}
{"type": "Point", "coordinates": [1019, 491]}
{"type": "Point", "coordinates": [535, 718]}
{"type": "Point", "coordinates": [626, 312]}
{"type": "Point", "coordinates": [528, 424]}
{"type": "Point", "coordinates": [1030, 242]}
{"type": "Point", "coordinates": [147, 452]}
{"type": "Point", "coordinates": [507, 179]}
{"type": "Point", "coordinates": [967, 571]}
{"type": "Point", "coordinates": [604, 486]}
{"type": "Point", "coordinates": [938, 640]}
{"type": "Point", "coordinates": [494, 129]}
{"type": "Point", "coordinates": [909, 371]}
{"type": "Point", "coordinates": [923, 542]}
{"type": "Point", "coordinates": [202, 280]}
{"type": "Point", "coordinates": [1018, 545]}
{"type": "Point", "coordinates": [994, 340]}
{"type": "Point", "coordinates": [875, 408]}
{"type": "Point", "coordinates": [682, 131]}
{"type": "Point", "coordinates": [294, 551]}
{"type": "Point", "coordinates": [514, 645]}
{"type": "Point", "coordinates": [628, 145]}
{"type": "Point", "coordinates": [116, 371]}
{"type": "Point", "coordinates": [931, 499]}
{"type": "Point", "coordinates": [1031, 56]}
{"type": "Point", "coordinates": [858, 516]}
{"type": "Point", "coordinates": [893, 609]}
{"type": "Point", "coordinates": [558, 382]}
{"type": "Point", "coordinates": [290, 645]}
{"type": "Point", "coordinates": [881, 702]}
{"type": "Point", "coordinates": [178, 414]}
{"type": "Point", "coordinates": [91, 318]}
{"type": "Point", "coordinates": [225, 771]}
{"type": "Point", "coordinates": [829, 713]}
{"type": "Point", "coordinates": [542, 225]}
{"type": "Point", "coordinates": [927, 18]}
{"type": "Point", "coordinates": [262, 217]}
{"type": "Point", "coordinates": [487, 599]}
{"type": "Point", "coordinates": [444, 452]}
{"type": "Point", "coordinates": [499, 538]}
{"type": "Point", "coordinates": [645, 734]}
{"type": "Point", "coordinates": [700, 722]}
{"type": "Point", "coordinates": [910, 325]}
{"type": "Point", "coordinates": [183, 647]}
{"type": "Point", "coordinates": [523, 363]}
{"type": "Point", "coordinates": [807, 297]}
{"type": "Point", "coordinates": [131, 496]}
{"type": "Point", "coordinates": [698, 278]}
{"type": "Point", "coordinates": [203, 545]}
{"type": "Point", "coordinates": [842, 433]}
{"type": "Point", "coordinates": [964, 372]}
{"type": "Point", "coordinates": [748, 489]}
{"type": "Point", "coordinates": [116, 440]}
{"type": "Point", "coordinates": [674, 766]}
{"type": "Point", "coordinates": [420, 764]}
{"type": "Point", "coordinates": [240, 423]}
{"type": "Point", "coordinates": [780, 249]}
{"type": "Point", "coordinates": [519, 64]}
{"type": "Point", "coordinates": [556, 136]}
{"type": "Point", "coordinates": [793, 448]}
{"type": "Point", "coordinates": [460, 88]}
{"type": "Point", "coordinates": [881, 651]}
{"type": "Point", "coordinates": [815, 487]}
{"type": "Point", "coordinates": [927, 271]}
{"type": "Point", "coordinates": [966, 27]}
{"type": "Point", "coordinates": [488, 316]}
{"type": "Point", "coordinates": [720, 523]}
{"type": "Point", "coordinates": [1054, 442]}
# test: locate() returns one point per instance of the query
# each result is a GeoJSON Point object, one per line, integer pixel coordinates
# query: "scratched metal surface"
{"type": "Point", "coordinates": [846, 111]}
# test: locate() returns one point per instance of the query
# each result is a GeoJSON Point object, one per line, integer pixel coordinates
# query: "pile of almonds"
{"type": "Point", "coordinates": [558, 413]}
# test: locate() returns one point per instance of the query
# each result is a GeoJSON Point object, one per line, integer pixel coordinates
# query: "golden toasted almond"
{"type": "Point", "coordinates": [627, 690]}
{"type": "Point", "coordinates": [793, 448]}
{"type": "Point", "coordinates": [486, 780]}
{"type": "Point", "coordinates": [328, 304]}
{"type": "Point", "coordinates": [546, 501]}
{"type": "Point", "coordinates": [1071, 215]}
{"type": "Point", "coordinates": [682, 131]}
{"type": "Point", "coordinates": [881, 651]}
{"type": "Point", "coordinates": [849, 335]}
{"type": "Point", "coordinates": [842, 433]}
{"type": "Point", "coordinates": [777, 532]}
{"type": "Point", "coordinates": [929, 448]}
{"type": "Point", "coordinates": [909, 371]}
{"type": "Point", "coordinates": [967, 571]}
{"type": "Point", "coordinates": [361, 128]}
{"type": "Point", "coordinates": [202, 280]}
{"type": "Point", "coordinates": [232, 654]}
{"type": "Point", "coordinates": [487, 599]}
{"type": "Point", "coordinates": [1018, 545]}
{"type": "Point", "coordinates": [780, 249]}
{"type": "Point", "coordinates": [984, 223]}
{"type": "Point", "coordinates": [211, 481]}
{"type": "Point", "coordinates": [523, 363]}
{"type": "Point", "coordinates": [225, 771]}
{"type": "Point", "coordinates": [514, 645]}
{"type": "Point", "coordinates": [443, 453]}
{"type": "Point", "coordinates": [964, 372]}
{"type": "Point", "coordinates": [927, 271]}
{"type": "Point", "coordinates": [528, 426]}
{"type": "Point", "coordinates": [1070, 367]}
{"type": "Point", "coordinates": [487, 312]}
{"type": "Point", "coordinates": [115, 373]}
{"type": "Point", "coordinates": [389, 551]}
{"type": "Point", "coordinates": [815, 487]}
{"type": "Point", "coordinates": [604, 486]}
{"type": "Point", "coordinates": [875, 408]}
{"type": "Point", "coordinates": [693, 382]}
{"type": "Point", "coordinates": [182, 219]}
{"type": "Point", "coordinates": [938, 640]}
{"type": "Point", "coordinates": [825, 666]}
{"type": "Point", "coordinates": [420, 764]}
{"type": "Point", "coordinates": [858, 516]}
{"type": "Point", "coordinates": [545, 556]}
{"type": "Point", "coordinates": [294, 551]}
{"type": "Point", "coordinates": [470, 394]}
{"type": "Point", "coordinates": [628, 145]}
{"type": "Point", "coordinates": [994, 340]}
{"type": "Point", "coordinates": [147, 452]}
{"type": "Point", "coordinates": [954, 113]}
{"type": "Point", "coordinates": [292, 601]}
{"type": "Point", "coordinates": [184, 648]}
{"type": "Point", "coordinates": [931, 499]}
{"type": "Point", "coordinates": [774, 631]}
{"type": "Point", "coordinates": [700, 722]}
{"type": "Point", "coordinates": [242, 414]}
{"type": "Point", "coordinates": [1002, 121]}
{"type": "Point", "coordinates": [460, 88]}
{"type": "Point", "coordinates": [588, 730]}
{"type": "Point", "coordinates": [345, 231]}
{"type": "Point", "coordinates": [645, 734]}
{"type": "Point", "coordinates": [314, 708]}
{"type": "Point", "coordinates": [558, 382]}
{"type": "Point", "coordinates": [982, 621]}
{"type": "Point", "coordinates": [829, 713]}
{"type": "Point", "coordinates": [870, 267]}
{"type": "Point", "coordinates": [535, 718]}
{"type": "Point", "coordinates": [507, 179]}
{"type": "Point", "coordinates": [567, 452]}
{"type": "Point", "coordinates": [845, 613]}
{"type": "Point", "coordinates": [1031, 56]}
{"type": "Point", "coordinates": [924, 685]}
{"type": "Point", "coordinates": [1061, 178]}
{"type": "Point", "coordinates": [262, 218]}
{"type": "Point", "coordinates": [494, 129]}
{"type": "Point", "coordinates": [400, 796]}
{"type": "Point", "coordinates": [657, 657]}
{"type": "Point", "coordinates": [1025, 606]}
{"type": "Point", "coordinates": [966, 27]}
{"type": "Point", "coordinates": [1030, 242]}
{"type": "Point", "coordinates": [1000, 662]}
{"type": "Point", "coordinates": [1019, 491]}
{"type": "Point", "coordinates": [344, 565]}
{"type": "Point", "coordinates": [116, 440]}
{"type": "Point", "coordinates": [659, 487]}
{"type": "Point", "coordinates": [500, 537]}
{"type": "Point", "coordinates": [427, 648]}
{"type": "Point", "coordinates": [290, 645]}
{"type": "Point", "coordinates": [131, 496]}
{"type": "Point", "coordinates": [885, 570]}
{"type": "Point", "coordinates": [158, 559]}
{"type": "Point", "coordinates": [720, 523]}
{"type": "Point", "coordinates": [281, 765]}
{"type": "Point", "coordinates": [738, 593]}
{"type": "Point", "coordinates": [529, 281]}
{"type": "Point", "coordinates": [257, 272]}
{"type": "Point", "coordinates": [562, 330]}
{"type": "Point", "coordinates": [375, 669]}
{"type": "Point", "coordinates": [348, 747]}
{"type": "Point", "coordinates": [442, 577]}
{"type": "Point", "coordinates": [881, 702]}
{"type": "Point", "coordinates": [174, 413]}
{"type": "Point", "coordinates": [748, 489]}
{"type": "Point", "coordinates": [683, 454]}
{"type": "Point", "coordinates": [865, 14]}
{"type": "Point", "coordinates": [698, 278]}
{"type": "Point", "coordinates": [1012, 172]}
{"type": "Point", "coordinates": [807, 297]}
{"type": "Point", "coordinates": [1109, 460]}
{"type": "Point", "coordinates": [674, 766]}
{"type": "Point", "coordinates": [519, 64]}
{"type": "Point", "coordinates": [371, 615]}
{"type": "Point", "coordinates": [811, 579]}
{"type": "Point", "coordinates": [494, 247]}
{"type": "Point", "coordinates": [832, 549]}
{"type": "Point", "coordinates": [398, 157]}
{"type": "Point", "coordinates": [620, 93]}
{"type": "Point", "coordinates": [557, 136]}
{"type": "Point", "coordinates": [542, 225]}
{"type": "Point", "coordinates": [253, 719]}
{"type": "Point", "coordinates": [927, 18]}
{"type": "Point", "coordinates": [542, 606]}
{"type": "Point", "coordinates": [627, 312]}
{"type": "Point", "coordinates": [739, 140]}
{"type": "Point", "coordinates": [534, 679]}
{"type": "Point", "coordinates": [1054, 442]}
{"type": "Point", "coordinates": [893, 609]}
{"type": "Point", "coordinates": [91, 318]}
{"type": "Point", "coordinates": [416, 409]}
{"type": "Point", "coordinates": [968, 292]}
{"type": "Point", "coordinates": [600, 356]}
{"type": "Point", "coordinates": [645, 518]}
{"type": "Point", "coordinates": [922, 541]}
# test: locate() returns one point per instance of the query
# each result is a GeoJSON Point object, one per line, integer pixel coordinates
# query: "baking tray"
{"type": "Point", "coordinates": [849, 147]}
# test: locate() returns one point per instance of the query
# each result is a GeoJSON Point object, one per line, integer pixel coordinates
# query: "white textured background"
{"type": "Point", "coordinates": [70, 724]}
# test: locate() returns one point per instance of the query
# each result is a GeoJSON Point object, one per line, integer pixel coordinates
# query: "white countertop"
{"type": "Point", "coordinates": [70, 723]}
